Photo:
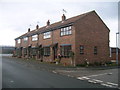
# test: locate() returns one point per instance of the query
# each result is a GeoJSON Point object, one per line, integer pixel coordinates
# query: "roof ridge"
{"type": "Point", "coordinates": [66, 19]}
{"type": "Point", "coordinates": [71, 19]}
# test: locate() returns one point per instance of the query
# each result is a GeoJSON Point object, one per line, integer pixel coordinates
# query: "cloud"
{"type": "Point", "coordinates": [17, 15]}
{"type": "Point", "coordinates": [113, 26]}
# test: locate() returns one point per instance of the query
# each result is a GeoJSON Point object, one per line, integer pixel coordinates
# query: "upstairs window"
{"type": "Point", "coordinates": [66, 31]}
{"type": "Point", "coordinates": [95, 50]}
{"type": "Point", "coordinates": [18, 41]}
{"type": "Point", "coordinates": [46, 51]}
{"type": "Point", "coordinates": [25, 39]}
{"type": "Point", "coordinates": [34, 37]}
{"type": "Point", "coordinates": [47, 35]}
{"type": "Point", "coordinates": [81, 49]}
{"type": "Point", "coordinates": [65, 50]}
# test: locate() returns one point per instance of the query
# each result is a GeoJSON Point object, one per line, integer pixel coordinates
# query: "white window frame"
{"type": "Point", "coordinates": [35, 37]}
{"type": "Point", "coordinates": [25, 39]}
{"type": "Point", "coordinates": [18, 41]}
{"type": "Point", "coordinates": [66, 31]}
{"type": "Point", "coordinates": [47, 35]}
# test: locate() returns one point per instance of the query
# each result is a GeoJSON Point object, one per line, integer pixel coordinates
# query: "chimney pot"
{"type": "Point", "coordinates": [37, 26]}
{"type": "Point", "coordinates": [63, 17]}
{"type": "Point", "coordinates": [48, 23]}
{"type": "Point", "coordinates": [28, 29]}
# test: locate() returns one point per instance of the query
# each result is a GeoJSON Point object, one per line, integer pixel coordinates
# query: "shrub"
{"type": "Point", "coordinates": [80, 65]}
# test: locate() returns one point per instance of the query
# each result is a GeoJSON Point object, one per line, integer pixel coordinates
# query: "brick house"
{"type": "Point", "coordinates": [85, 37]}
{"type": "Point", "coordinates": [113, 54]}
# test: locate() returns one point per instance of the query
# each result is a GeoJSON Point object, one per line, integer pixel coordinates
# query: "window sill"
{"type": "Point", "coordinates": [46, 38]}
{"type": "Point", "coordinates": [46, 55]}
{"type": "Point", "coordinates": [65, 35]}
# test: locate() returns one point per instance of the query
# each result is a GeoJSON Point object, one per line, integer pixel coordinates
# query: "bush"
{"type": "Point", "coordinates": [80, 65]}
{"type": "Point", "coordinates": [109, 62]}
{"type": "Point", "coordinates": [97, 63]}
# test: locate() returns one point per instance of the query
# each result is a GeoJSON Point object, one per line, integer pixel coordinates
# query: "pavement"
{"type": "Point", "coordinates": [105, 76]}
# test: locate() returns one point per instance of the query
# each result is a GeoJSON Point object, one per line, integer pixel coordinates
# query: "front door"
{"type": "Point", "coordinates": [29, 48]}
{"type": "Point", "coordinates": [55, 52]}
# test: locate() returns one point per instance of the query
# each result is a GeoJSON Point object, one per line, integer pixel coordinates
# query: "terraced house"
{"type": "Point", "coordinates": [84, 38]}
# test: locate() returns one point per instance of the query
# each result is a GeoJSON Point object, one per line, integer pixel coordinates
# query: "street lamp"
{"type": "Point", "coordinates": [116, 49]}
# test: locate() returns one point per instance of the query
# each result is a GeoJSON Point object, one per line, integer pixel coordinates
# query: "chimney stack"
{"type": "Point", "coordinates": [48, 23]}
{"type": "Point", "coordinates": [37, 26]}
{"type": "Point", "coordinates": [63, 17]}
{"type": "Point", "coordinates": [28, 29]}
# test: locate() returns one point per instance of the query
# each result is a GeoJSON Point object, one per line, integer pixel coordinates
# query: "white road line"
{"type": "Point", "coordinates": [109, 73]}
{"type": "Point", "coordinates": [80, 78]}
{"type": "Point", "coordinates": [106, 85]}
{"type": "Point", "coordinates": [68, 75]}
{"type": "Point", "coordinates": [11, 81]}
{"type": "Point", "coordinates": [112, 83]}
{"type": "Point", "coordinates": [54, 72]}
{"type": "Point", "coordinates": [91, 81]}
{"type": "Point", "coordinates": [97, 75]}
{"type": "Point", "coordinates": [83, 78]}
{"type": "Point", "coordinates": [98, 81]}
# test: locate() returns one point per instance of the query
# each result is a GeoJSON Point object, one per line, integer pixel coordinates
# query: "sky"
{"type": "Point", "coordinates": [16, 16]}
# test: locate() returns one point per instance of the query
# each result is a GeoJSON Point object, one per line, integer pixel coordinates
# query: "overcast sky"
{"type": "Point", "coordinates": [17, 15]}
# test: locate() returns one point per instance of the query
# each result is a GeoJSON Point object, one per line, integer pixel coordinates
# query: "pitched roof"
{"type": "Point", "coordinates": [56, 25]}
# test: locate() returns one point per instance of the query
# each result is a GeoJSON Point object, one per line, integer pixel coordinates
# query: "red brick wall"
{"type": "Point", "coordinates": [45, 42]}
{"type": "Point", "coordinates": [69, 39]}
{"type": "Point", "coordinates": [56, 38]}
{"type": "Point", "coordinates": [24, 44]}
{"type": "Point", "coordinates": [90, 32]}
{"type": "Point", "coordinates": [18, 44]}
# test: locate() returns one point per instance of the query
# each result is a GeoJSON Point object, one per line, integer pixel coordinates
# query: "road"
{"type": "Point", "coordinates": [15, 75]}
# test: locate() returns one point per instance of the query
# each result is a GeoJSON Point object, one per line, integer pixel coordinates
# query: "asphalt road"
{"type": "Point", "coordinates": [15, 75]}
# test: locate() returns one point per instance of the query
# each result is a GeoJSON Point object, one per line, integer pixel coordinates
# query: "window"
{"type": "Point", "coordinates": [25, 51]}
{"type": "Point", "coordinates": [33, 51]}
{"type": "Point", "coordinates": [46, 51]}
{"type": "Point", "coordinates": [18, 41]}
{"type": "Point", "coordinates": [81, 49]}
{"type": "Point", "coordinates": [95, 50]}
{"type": "Point", "coordinates": [66, 31]}
{"type": "Point", "coordinates": [34, 37]}
{"type": "Point", "coordinates": [65, 50]}
{"type": "Point", "coordinates": [25, 39]}
{"type": "Point", "coordinates": [47, 35]}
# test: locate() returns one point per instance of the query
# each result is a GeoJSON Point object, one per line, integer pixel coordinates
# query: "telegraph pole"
{"type": "Point", "coordinates": [116, 49]}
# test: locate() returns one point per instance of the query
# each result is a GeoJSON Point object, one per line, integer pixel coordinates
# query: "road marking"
{"type": "Point", "coordinates": [91, 81]}
{"type": "Point", "coordinates": [83, 78]}
{"type": "Point", "coordinates": [11, 81]}
{"type": "Point", "coordinates": [95, 81]}
{"type": "Point", "coordinates": [98, 81]}
{"type": "Point", "coordinates": [80, 78]}
{"type": "Point", "coordinates": [68, 75]}
{"type": "Point", "coordinates": [109, 73]}
{"type": "Point", "coordinates": [106, 85]}
{"type": "Point", "coordinates": [54, 72]}
{"type": "Point", "coordinates": [97, 75]}
{"type": "Point", "coordinates": [112, 83]}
